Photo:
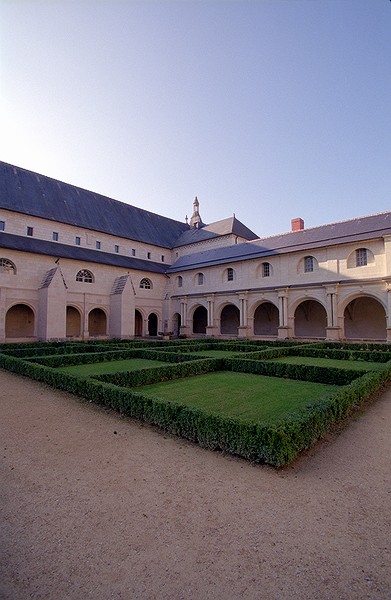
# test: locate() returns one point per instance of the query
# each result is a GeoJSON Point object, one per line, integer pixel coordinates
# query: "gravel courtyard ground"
{"type": "Point", "coordinates": [97, 506]}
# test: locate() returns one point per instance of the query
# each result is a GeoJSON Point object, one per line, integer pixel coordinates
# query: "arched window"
{"type": "Point", "coordinates": [309, 262]}
{"type": "Point", "coordinates": [180, 281]}
{"type": "Point", "coordinates": [85, 276]}
{"type": "Point", "coordinates": [230, 274]}
{"type": "Point", "coordinates": [146, 284]}
{"type": "Point", "coordinates": [6, 266]}
{"type": "Point", "coordinates": [200, 279]}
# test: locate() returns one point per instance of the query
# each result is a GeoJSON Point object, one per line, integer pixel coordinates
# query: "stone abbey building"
{"type": "Point", "coordinates": [78, 265]}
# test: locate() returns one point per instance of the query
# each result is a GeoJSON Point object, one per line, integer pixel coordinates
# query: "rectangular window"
{"type": "Point", "coordinates": [308, 264]}
{"type": "Point", "coordinates": [30, 231]}
{"type": "Point", "coordinates": [266, 269]}
{"type": "Point", "coordinates": [77, 240]}
{"type": "Point", "coordinates": [97, 245]}
{"type": "Point", "coordinates": [2, 225]}
{"type": "Point", "coordinates": [162, 257]}
{"type": "Point", "coordinates": [148, 255]}
{"type": "Point", "coordinates": [55, 236]}
{"type": "Point", "coordinates": [133, 252]}
{"type": "Point", "coordinates": [116, 248]}
{"type": "Point", "coordinates": [361, 257]}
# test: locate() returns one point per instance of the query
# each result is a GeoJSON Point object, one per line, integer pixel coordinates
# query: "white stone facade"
{"type": "Point", "coordinates": [337, 291]}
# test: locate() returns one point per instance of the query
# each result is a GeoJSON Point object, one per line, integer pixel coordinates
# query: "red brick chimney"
{"type": "Point", "coordinates": [297, 224]}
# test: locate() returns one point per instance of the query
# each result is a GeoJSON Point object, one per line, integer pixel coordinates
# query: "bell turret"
{"type": "Point", "coordinates": [196, 220]}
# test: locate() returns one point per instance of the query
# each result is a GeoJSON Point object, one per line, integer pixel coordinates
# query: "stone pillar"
{"type": "Point", "coordinates": [183, 307]}
{"type": "Point", "coordinates": [388, 316]}
{"type": "Point", "coordinates": [283, 328]}
{"type": "Point", "coordinates": [333, 331]}
{"type": "Point", "coordinates": [3, 312]}
{"type": "Point", "coordinates": [210, 327]}
{"type": "Point", "coordinates": [243, 325]}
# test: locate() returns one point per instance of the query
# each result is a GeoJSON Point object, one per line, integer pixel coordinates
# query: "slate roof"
{"type": "Point", "coordinates": [40, 196]}
{"type": "Point", "coordinates": [230, 226]}
{"type": "Point", "coordinates": [354, 230]}
{"type": "Point", "coordinates": [87, 255]}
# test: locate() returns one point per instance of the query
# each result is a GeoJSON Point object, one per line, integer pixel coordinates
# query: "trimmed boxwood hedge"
{"type": "Point", "coordinates": [273, 443]}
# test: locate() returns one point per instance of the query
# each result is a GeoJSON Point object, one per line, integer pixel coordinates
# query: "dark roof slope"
{"type": "Point", "coordinates": [229, 226]}
{"type": "Point", "coordinates": [354, 230]}
{"type": "Point", "coordinates": [57, 250]}
{"type": "Point", "coordinates": [40, 196]}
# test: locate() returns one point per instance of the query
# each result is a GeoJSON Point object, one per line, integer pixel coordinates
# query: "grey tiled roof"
{"type": "Point", "coordinates": [57, 250]}
{"type": "Point", "coordinates": [354, 230]}
{"type": "Point", "coordinates": [32, 194]}
{"type": "Point", "coordinates": [230, 226]}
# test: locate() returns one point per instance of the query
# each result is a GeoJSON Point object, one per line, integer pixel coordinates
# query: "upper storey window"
{"type": "Point", "coordinates": [55, 236]}
{"type": "Point", "coordinates": [266, 269]}
{"type": "Point", "coordinates": [7, 266]}
{"type": "Point", "coordinates": [2, 225]}
{"type": "Point", "coordinates": [230, 274]}
{"type": "Point", "coordinates": [146, 284]}
{"type": "Point", "coordinates": [77, 240]}
{"type": "Point", "coordinates": [85, 276]}
{"type": "Point", "coordinates": [180, 281]}
{"type": "Point", "coordinates": [309, 264]}
{"type": "Point", "coordinates": [200, 279]}
{"type": "Point", "coordinates": [30, 231]}
{"type": "Point", "coordinates": [361, 257]}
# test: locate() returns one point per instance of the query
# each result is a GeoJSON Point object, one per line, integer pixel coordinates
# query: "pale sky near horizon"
{"type": "Point", "coordinates": [269, 109]}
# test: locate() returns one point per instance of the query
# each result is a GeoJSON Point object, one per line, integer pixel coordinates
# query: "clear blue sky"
{"type": "Point", "coordinates": [268, 109]}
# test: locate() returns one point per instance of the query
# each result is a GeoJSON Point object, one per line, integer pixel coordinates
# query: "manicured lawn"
{"type": "Point", "coordinates": [358, 365]}
{"type": "Point", "coordinates": [245, 396]}
{"type": "Point", "coordinates": [114, 366]}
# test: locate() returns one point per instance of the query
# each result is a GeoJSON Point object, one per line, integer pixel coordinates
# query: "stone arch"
{"type": "Point", "coordinates": [266, 319]}
{"type": "Point", "coordinates": [73, 322]}
{"type": "Point", "coordinates": [200, 319]}
{"type": "Point", "coordinates": [152, 324]}
{"type": "Point", "coordinates": [97, 322]}
{"type": "Point", "coordinates": [365, 318]}
{"type": "Point", "coordinates": [230, 320]}
{"type": "Point", "coordinates": [138, 323]}
{"type": "Point", "coordinates": [19, 321]}
{"type": "Point", "coordinates": [310, 319]}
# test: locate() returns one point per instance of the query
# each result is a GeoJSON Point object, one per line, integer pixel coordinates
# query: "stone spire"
{"type": "Point", "coordinates": [196, 220]}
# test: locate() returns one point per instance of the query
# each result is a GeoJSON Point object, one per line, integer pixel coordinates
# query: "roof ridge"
{"type": "Point", "coordinates": [385, 212]}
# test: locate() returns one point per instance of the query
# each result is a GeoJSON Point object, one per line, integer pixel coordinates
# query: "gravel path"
{"type": "Point", "coordinates": [96, 506]}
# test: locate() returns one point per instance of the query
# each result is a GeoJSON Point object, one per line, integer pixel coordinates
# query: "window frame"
{"type": "Point", "coordinates": [266, 269]}
{"type": "Point", "coordinates": [7, 266]}
{"type": "Point", "coordinates": [85, 276]}
{"type": "Point", "coordinates": [361, 257]}
{"type": "Point", "coordinates": [145, 284]}
{"type": "Point", "coordinates": [309, 264]}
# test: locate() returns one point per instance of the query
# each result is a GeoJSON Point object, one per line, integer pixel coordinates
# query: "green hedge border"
{"type": "Point", "coordinates": [276, 444]}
